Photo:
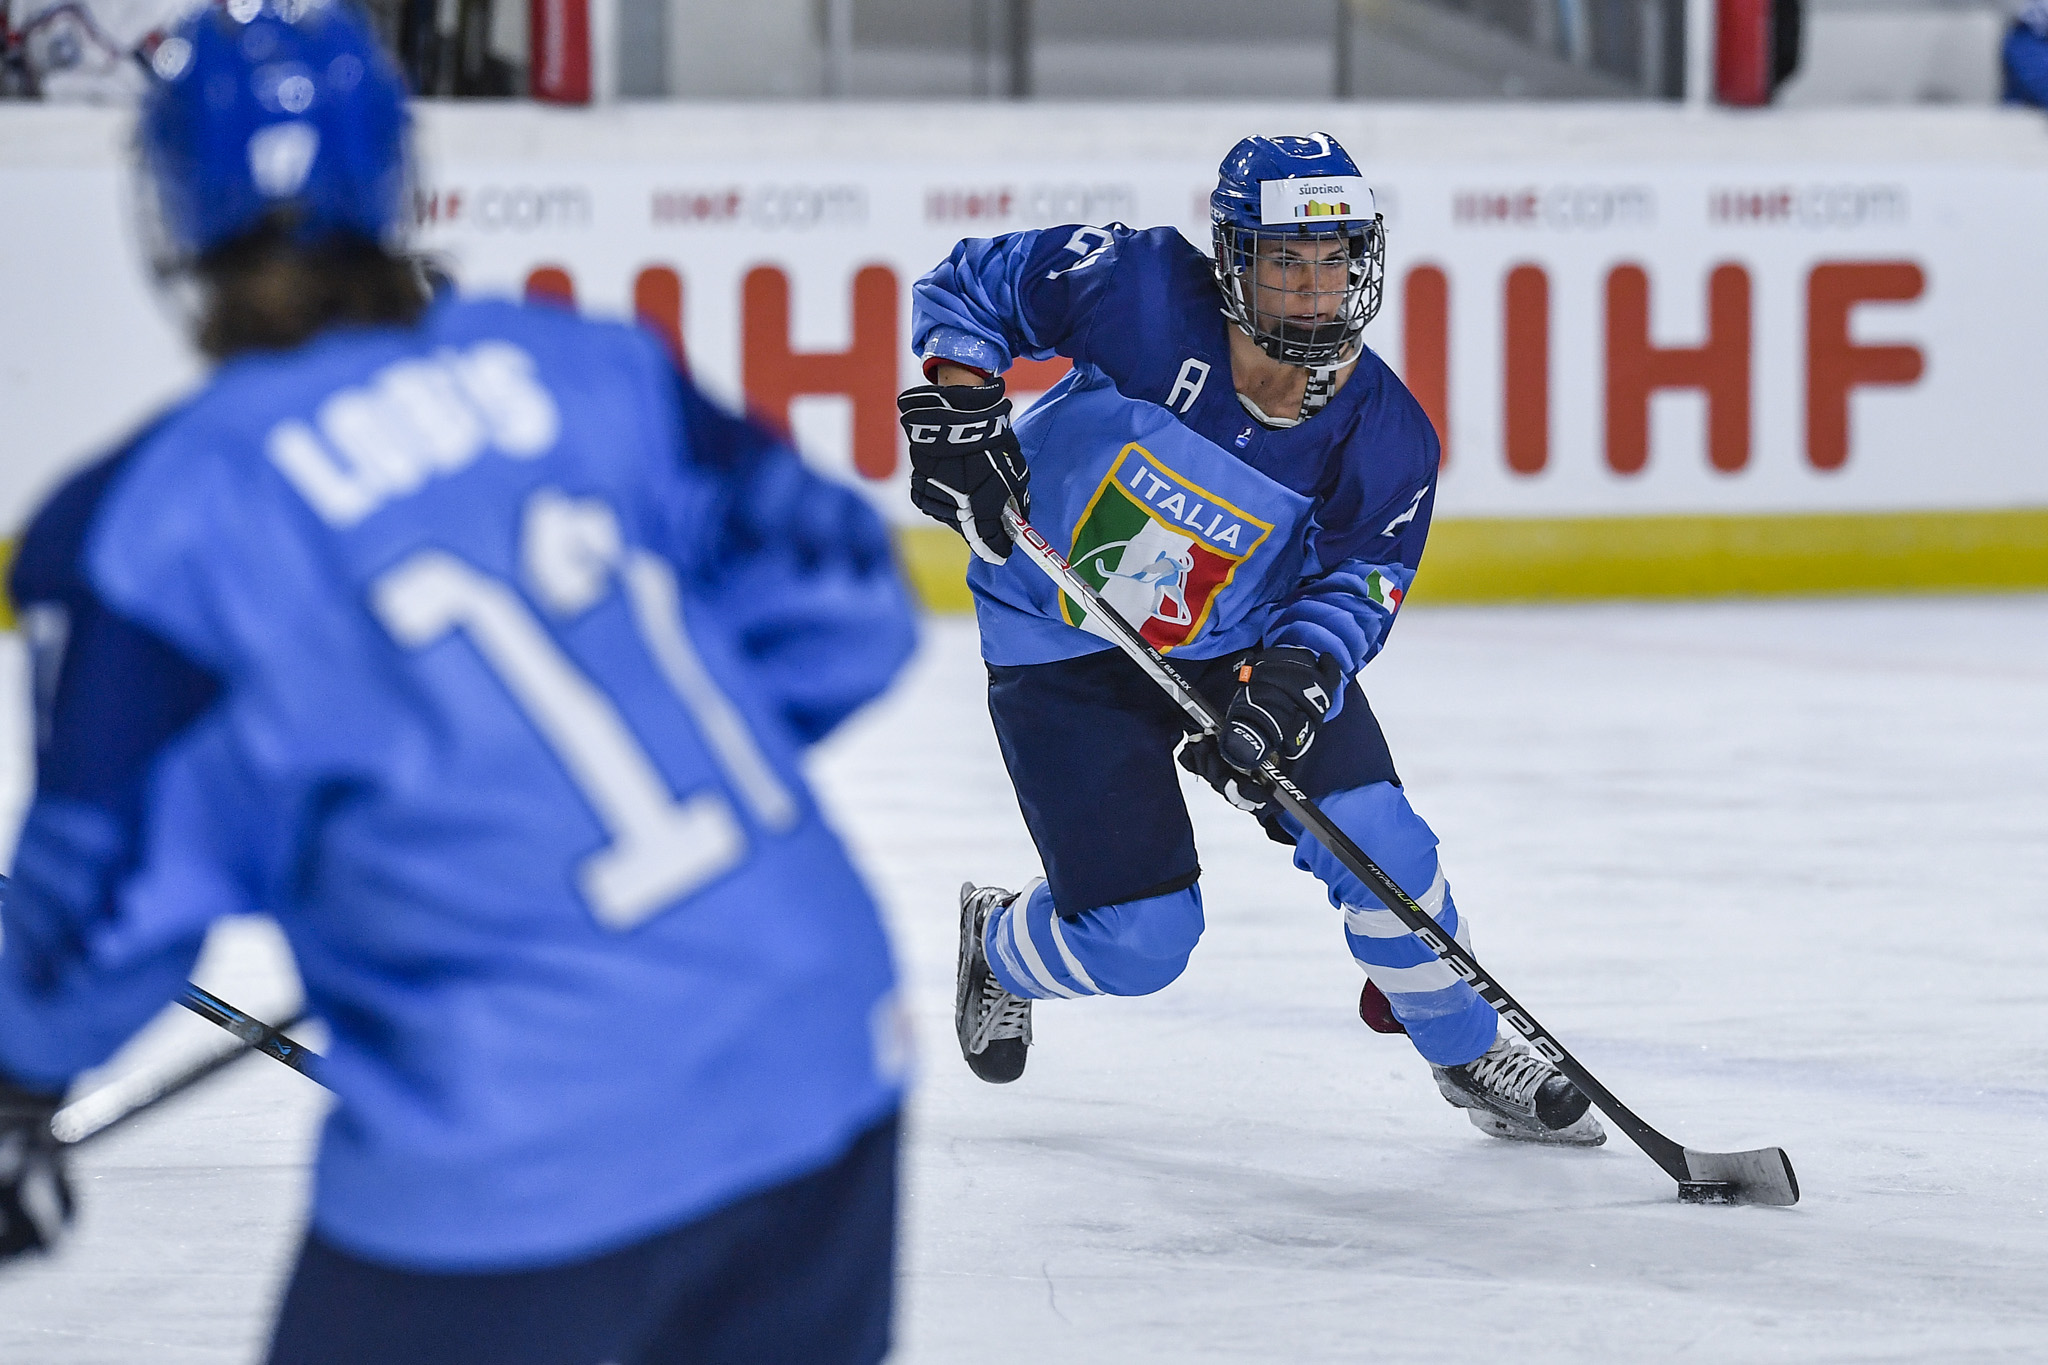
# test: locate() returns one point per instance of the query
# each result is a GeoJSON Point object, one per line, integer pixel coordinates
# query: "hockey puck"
{"type": "Point", "coordinates": [1705, 1192]}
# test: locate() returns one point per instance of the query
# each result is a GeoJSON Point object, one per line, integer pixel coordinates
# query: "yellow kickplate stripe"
{"type": "Point", "coordinates": [1509, 559]}
{"type": "Point", "coordinates": [934, 559]}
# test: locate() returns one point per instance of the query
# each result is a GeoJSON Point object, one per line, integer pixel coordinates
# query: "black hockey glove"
{"type": "Point", "coordinates": [1200, 757]}
{"type": "Point", "coordinates": [965, 463]}
{"type": "Point", "coordinates": [35, 1196]}
{"type": "Point", "coordinates": [1282, 695]}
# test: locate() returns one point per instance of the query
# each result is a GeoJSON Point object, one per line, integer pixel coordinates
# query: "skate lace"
{"type": "Point", "coordinates": [1511, 1071]}
{"type": "Point", "coordinates": [1003, 1015]}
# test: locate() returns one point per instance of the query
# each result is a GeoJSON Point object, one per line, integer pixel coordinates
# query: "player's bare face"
{"type": "Point", "coordinates": [1299, 285]}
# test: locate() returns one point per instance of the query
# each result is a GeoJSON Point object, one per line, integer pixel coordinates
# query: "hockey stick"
{"type": "Point", "coordinates": [1763, 1176]}
{"type": "Point", "coordinates": [114, 1105]}
{"type": "Point", "coordinates": [260, 1036]}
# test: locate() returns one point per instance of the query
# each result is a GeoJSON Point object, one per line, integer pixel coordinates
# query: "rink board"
{"type": "Point", "coordinates": [1668, 352]}
{"type": "Point", "coordinates": [1537, 559]}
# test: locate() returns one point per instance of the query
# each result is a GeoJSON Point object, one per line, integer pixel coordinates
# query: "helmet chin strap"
{"type": "Point", "coordinates": [1317, 391]}
{"type": "Point", "coordinates": [1322, 384]}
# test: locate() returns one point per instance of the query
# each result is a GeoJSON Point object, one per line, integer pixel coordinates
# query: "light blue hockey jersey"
{"type": "Point", "coordinates": [1193, 546]}
{"type": "Point", "coordinates": [1207, 529]}
{"type": "Point", "coordinates": [483, 654]}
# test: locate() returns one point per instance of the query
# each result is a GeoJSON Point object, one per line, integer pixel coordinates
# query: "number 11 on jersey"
{"type": "Point", "coordinates": [662, 848]}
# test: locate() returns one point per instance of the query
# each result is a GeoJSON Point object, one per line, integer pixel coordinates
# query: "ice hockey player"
{"type": "Point", "coordinates": [1246, 482]}
{"type": "Point", "coordinates": [475, 645]}
{"type": "Point", "coordinates": [2025, 56]}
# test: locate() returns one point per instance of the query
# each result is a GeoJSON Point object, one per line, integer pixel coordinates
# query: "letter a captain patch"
{"type": "Point", "coordinates": [1158, 549]}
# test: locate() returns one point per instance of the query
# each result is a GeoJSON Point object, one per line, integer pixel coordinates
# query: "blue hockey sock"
{"type": "Point", "coordinates": [1133, 948]}
{"type": "Point", "coordinates": [1445, 1018]}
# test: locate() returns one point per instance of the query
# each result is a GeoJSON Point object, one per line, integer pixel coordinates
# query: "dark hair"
{"type": "Point", "coordinates": [264, 292]}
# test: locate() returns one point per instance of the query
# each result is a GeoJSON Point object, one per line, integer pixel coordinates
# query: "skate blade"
{"type": "Point", "coordinates": [1763, 1176]}
{"type": "Point", "coordinates": [1587, 1132]}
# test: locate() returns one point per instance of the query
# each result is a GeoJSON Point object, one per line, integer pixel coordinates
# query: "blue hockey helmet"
{"type": "Point", "coordinates": [283, 113]}
{"type": "Point", "coordinates": [1300, 249]}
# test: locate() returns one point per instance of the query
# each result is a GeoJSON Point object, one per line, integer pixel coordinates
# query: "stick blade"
{"type": "Point", "coordinates": [1763, 1176]}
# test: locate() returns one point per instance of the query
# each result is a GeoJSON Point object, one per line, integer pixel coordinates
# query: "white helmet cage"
{"type": "Point", "coordinates": [1335, 336]}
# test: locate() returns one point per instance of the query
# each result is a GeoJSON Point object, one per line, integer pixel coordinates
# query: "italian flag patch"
{"type": "Point", "coordinates": [1158, 549]}
{"type": "Point", "coordinates": [1383, 590]}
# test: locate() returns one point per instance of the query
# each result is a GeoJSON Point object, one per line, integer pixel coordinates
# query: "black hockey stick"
{"type": "Point", "coordinates": [260, 1036]}
{"type": "Point", "coordinates": [115, 1104]}
{"type": "Point", "coordinates": [1763, 1176]}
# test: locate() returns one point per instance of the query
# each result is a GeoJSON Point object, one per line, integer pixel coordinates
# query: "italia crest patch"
{"type": "Point", "coordinates": [1158, 549]}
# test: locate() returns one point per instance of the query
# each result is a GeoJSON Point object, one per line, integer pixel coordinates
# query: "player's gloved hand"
{"type": "Point", "coordinates": [1198, 754]}
{"type": "Point", "coordinates": [1282, 695]}
{"type": "Point", "coordinates": [965, 463]}
{"type": "Point", "coordinates": [1200, 757]}
{"type": "Point", "coordinates": [35, 1195]}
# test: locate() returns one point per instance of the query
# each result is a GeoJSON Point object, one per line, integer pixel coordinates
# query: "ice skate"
{"type": "Point", "coordinates": [1510, 1092]}
{"type": "Point", "coordinates": [994, 1025]}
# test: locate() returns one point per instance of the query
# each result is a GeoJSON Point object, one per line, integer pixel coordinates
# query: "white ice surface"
{"type": "Point", "coordinates": [1775, 872]}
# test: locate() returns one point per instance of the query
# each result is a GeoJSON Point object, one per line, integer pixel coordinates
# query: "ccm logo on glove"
{"type": "Point", "coordinates": [965, 463]}
{"type": "Point", "coordinates": [972, 433]}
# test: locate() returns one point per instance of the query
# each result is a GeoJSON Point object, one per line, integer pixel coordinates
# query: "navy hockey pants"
{"type": "Point", "coordinates": [801, 1273]}
{"type": "Point", "coordinates": [1089, 745]}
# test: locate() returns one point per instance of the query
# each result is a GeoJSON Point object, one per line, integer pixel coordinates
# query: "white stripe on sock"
{"type": "Point", "coordinates": [1432, 900]}
{"type": "Point", "coordinates": [1059, 941]}
{"type": "Point", "coordinates": [1434, 975]}
{"type": "Point", "coordinates": [1377, 921]}
{"type": "Point", "coordinates": [1000, 951]}
{"type": "Point", "coordinates": [1373, 922]}
{"type": "Point", "coordinates": [1034, 964]}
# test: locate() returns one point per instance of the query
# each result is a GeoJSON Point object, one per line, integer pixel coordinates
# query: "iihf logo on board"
{"type": "Point", "coordinates": [1158, 549]}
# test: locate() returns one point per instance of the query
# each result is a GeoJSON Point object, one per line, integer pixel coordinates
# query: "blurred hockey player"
{"type": "Point", "coordinates": [1250, 486]}
{"type": "Point", "coordinates": [2025, 56]}
{"type": "Point", "coordinates": [473, 643]}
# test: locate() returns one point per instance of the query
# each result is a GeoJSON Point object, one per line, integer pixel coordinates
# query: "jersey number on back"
{"type": "Point", "coordinates": [662, 847]}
